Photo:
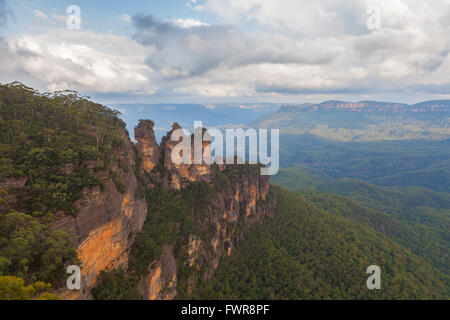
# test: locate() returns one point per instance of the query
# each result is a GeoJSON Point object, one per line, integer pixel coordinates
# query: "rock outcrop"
{"type": "Point", "coordinates": [231, 211]}
{"type": "Point", "coordinates": [180, 175]}
{"type": "Point", "coordinates": [161, 280]}
{"type": "Point", "coordinates": [80, 172]}
{"type": "Point", "coordinates": [107, 220]}
{"type": "Point", "coordinates": [147, 145]}
{"type": "Point", "coordinates": [8, 192]}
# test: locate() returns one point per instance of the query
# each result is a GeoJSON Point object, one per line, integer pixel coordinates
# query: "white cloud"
{"type": "Point", "coordinates": [51, 18]}
{"type": "Point", "coordinates": [258, 48]}
{"type": "Point", "coordinates": [79, 60]}
{"type": "Point", "coordinates": [58, 19]}
{"type": "Point", "coordinates": [249, 107]}
{"type": "Point", "coordinates": [188, 23]}
{"type": "Point", "coordinates": [40, 15]}
{"type": "Point", "coordinates": [126, 18]}
{"type": "Point", "coordinates": [325, 46]}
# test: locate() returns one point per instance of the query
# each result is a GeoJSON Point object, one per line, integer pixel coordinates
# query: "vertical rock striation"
{"type": "Point", "coordinates": [230, 212]}
{"type": "Point", "coordinates": [107, 220]}
{"type": "Point", "coordinates": [146, 145]}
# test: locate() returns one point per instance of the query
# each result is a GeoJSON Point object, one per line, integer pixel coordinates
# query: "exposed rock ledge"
{"type": "Point", "coordinates": [245, 202]}
{"type": "Point", "coordinates": [108, 221]}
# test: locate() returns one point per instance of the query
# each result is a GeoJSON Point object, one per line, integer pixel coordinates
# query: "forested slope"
{"type": "Point", "coordinates": [49, 147]}
{"type": "Point", "coordinates": [305, 252]}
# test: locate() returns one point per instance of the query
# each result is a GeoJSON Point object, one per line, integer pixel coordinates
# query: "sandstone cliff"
{"type": "Point", "coordinates": [110, 217]}
{"type": "Point", "coordinates": [231, 210]}
{"type": "Point", "coordinates": [107, 220]}
{"type": "Point", "coordinates": [147, 145]}
{"type": "Point", "coordinates": [69, 164]}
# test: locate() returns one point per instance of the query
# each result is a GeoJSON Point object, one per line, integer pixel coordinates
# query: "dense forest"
{"type": "Point", "coordinates": [173, 217]}
{"type": "Point", "coordinates": [415, 217]}
{"type": "Point", "coordinates": [323, 236]}
{"type": "Point", "coordinates": [305, 252]}
{"type": "Point", "coordinates": [406, 163]}
{"type": "Point", "coordinates": [46, 140]}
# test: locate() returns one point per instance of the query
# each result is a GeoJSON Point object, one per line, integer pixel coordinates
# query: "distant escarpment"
{"type": "Point", "coordinates": [71, 176]}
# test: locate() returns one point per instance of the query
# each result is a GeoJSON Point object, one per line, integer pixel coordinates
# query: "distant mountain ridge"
{"type": "Point", "coordinates": [212, 115]}
{"type": "Point", "coordinates": [371, 106]}
{"type": "Point", "coordinates": [363, 120]}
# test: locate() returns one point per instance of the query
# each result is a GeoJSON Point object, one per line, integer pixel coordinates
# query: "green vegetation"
{"type": "Point", "coordinates": [432, 179]}
{"type": "Point", "coordinates": [299, 177]}
{"type": "Point", "coordinates": [115, 285]}
{"type": "Point", "coordinates": [170, 219]}
{"type": "Point", "coordinates": [317, 246]}
{"type": "Point", "coordinates": [48, 139]}
{"type": "Point", "coordinates": [403, 203]}
{"type": "Point", "coordinates": [429, 242]}
{"type": "Point", "coordinates": [56, 144]}
{"type": "Point", "coordinates": [305, 252]}
{"type": "Point", "coordinates": [386, 163]}
{"type": "Point", "coordinates": [13, 288]}
{"type": "Point", "coordinates": [30, 250]}
{"type": "Point", "coordinates": [376, 121]}
{"type": "Point", "coordinates": [414, 217]}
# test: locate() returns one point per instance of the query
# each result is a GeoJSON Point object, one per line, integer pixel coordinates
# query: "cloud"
{"type": "Point", "coordinates": [255, 48]}
{"type": "Point", "coordinates": [188, 23]}
{"type": "Point", "coordinates": [51, 18]}
{"type": "Point", "coordinates": [126, 18]}
{"type": "Point", "coordinates": [81, 60]}
{"type": "Point", "coordinates": [185, 52]}
{"type": "Point", "coordinates": [40, 15]}
{"type": "Point", "coordinates": [301, 47]}
{"type": "Point", "coordinates": [300, 17]}
{"type": "Point", "coordinates": [58, 19]}
{"type": "Point", "coordinates": [188, 52]}
{"type": "Point", "coordinates": [249, 107]}
{"type": "Point", "coordinates": [412, 41]}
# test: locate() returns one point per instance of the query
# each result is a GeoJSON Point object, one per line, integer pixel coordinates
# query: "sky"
{"type": "Point", "coordinates": [212, 51]}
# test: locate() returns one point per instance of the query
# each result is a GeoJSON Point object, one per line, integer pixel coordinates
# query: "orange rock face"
{"type": "Point", "coordinates": [147, 149]}
{"type": "Point", "coordinates": [103, 248]}
{"type": "Point", "coordinates": [161, 281]}
{"type": "Point", "coordinates": [106, 246]}
{"type": "Point", "coordinates": [107, 221]}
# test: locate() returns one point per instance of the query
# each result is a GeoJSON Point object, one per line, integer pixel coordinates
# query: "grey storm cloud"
{"type": "Point", "coordinates": [196, 50]}
{"type": "Point", "coordinates": [187, 50]}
